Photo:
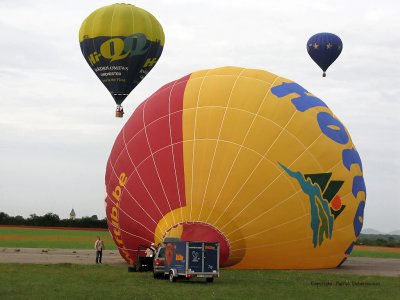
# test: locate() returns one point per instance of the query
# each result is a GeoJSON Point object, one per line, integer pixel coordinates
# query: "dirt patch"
{"type": "Point", "coordinates": [353, 265]}
{"type": "Point", "coordinates": [368, 266]}
{"type": "Point", "coordinates": [56, 256]}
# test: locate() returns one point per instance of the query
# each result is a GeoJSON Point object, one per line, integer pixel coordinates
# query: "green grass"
{"type": "Point", "coordinates": [375, 254]}
{"type": "Point", "coordinates": [68, 281]}
{"type": "Point", "coordinates": [52, 238]}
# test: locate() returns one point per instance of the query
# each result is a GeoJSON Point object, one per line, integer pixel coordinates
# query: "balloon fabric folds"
{"type": "Point", "coordinates": [243, 157]}
{"type": "Point", "coordinates": [121, 43]}
{"type": "Point", "coordinates": [324, 48]}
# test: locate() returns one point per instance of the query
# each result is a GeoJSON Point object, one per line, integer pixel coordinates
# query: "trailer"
{"type": "Point", "coordinates": [187, 260]}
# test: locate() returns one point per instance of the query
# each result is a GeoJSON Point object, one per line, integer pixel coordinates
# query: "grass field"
{"type": "Point", "coordinates": [67, 281]}
{"type": "Point", "coordinates": [70, 281]}
{"type": "Point", "coordinates": [52, 238]}
{"type": "Point", "coordinates": [375, 253]}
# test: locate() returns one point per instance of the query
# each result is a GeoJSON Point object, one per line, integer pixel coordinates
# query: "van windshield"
{"type": "Point", "coordinates": [161, 254]}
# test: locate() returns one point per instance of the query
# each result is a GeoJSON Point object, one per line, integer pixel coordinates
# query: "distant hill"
{"type": "Point", "coordinates": [370, 231]}
{"type": "Point", "coordinates": [374, 231]}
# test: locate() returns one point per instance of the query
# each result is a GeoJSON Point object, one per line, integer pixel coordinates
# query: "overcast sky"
{"type": "Point", "coordinates": [57, 124]}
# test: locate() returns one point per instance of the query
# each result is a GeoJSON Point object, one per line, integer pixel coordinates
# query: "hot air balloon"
{"type": "Point", "coordinates": [324, 48]}
{"type": "Point", "coordinates": [242, 157]}
{"type": "Point", "coordinates": [121, 43]}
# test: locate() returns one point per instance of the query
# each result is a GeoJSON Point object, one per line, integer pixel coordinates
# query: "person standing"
{"type": "Point", "coordinates": [99, 246]}
{"type": "Point", "coordinates": [150, 251]}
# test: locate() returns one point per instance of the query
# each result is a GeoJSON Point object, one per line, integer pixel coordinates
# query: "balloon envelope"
{"type": "Point", "coordinates": [324, 48]}
{"type": "Point", "coordinates": [121, 43]}
{"type": "Point", "coordinates": [239, 156]}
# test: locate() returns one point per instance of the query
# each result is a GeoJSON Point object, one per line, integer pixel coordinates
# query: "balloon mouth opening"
{"type": "Point", "coordinates": [204, 232]}
{"type": "Point", "coordinates": [324, 74]}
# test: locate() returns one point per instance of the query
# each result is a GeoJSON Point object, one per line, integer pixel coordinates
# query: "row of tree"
{"type": "Point", "coordinates": [53, 220]}
{"type": "Point", "coordinates": [384, 240]}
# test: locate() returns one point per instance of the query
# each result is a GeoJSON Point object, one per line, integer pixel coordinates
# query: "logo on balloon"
{"type": "Point", "coordinates": [325, 204]}
{"type": "Point", "coordinates": [117, 48]}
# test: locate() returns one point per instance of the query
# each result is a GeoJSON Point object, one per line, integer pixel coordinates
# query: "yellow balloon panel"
{"type": "Point", "coordinates": [238, 135]}
{"type": "Point", "coordinates": [260, 127]}
{"type": "Point", "coordinates": [121, 20]}
{"type": "Point", "coordinates": [205, 130]}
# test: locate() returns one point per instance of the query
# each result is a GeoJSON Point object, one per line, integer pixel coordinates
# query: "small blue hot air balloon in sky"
{"type": "Point", "coordinates": [324, 48]}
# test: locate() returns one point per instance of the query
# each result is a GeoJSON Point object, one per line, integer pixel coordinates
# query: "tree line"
{"type": "Point", "coordinates": [385, 240]}
{"type": "Point", "coordinates": [53, 220]}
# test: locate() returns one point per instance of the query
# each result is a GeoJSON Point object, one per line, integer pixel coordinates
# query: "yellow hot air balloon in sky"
{"type": "Point", "coordinates": [121, 43]}
{"type": "Point", "coordinates": [243, 157]}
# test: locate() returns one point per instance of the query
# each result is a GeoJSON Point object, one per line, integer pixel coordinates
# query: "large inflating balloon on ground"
{"type": "Point", "coordinates": [324, 48]}
{"type": "Point", "coordinates": [121, 43]}
{"type": "Point", "coordinates": [243, 157]}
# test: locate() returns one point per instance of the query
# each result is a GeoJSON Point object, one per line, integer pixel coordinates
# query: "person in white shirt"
{"type": "Point", "coordinates": [150, 251]}
{"type": "Point", "coordinates": [99, 246]}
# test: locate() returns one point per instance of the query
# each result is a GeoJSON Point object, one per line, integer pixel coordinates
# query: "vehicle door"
{"type": "Point", "coordinates": [196, 257]}
{"type": "Point", "coordinates": [211, 257]}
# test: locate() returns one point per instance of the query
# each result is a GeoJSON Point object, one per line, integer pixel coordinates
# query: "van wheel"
{"type": "Point", "coordinates": [210, 279]}
{"type": "Point", "coordinates": [172, 278]}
